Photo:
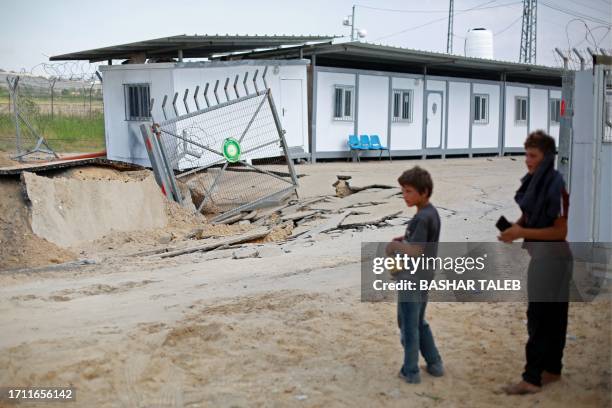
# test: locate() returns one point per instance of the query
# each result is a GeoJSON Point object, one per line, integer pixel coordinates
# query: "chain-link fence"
{"type": "Point", "coordinates": [52, 113]}
{"type": "Point", "coordinates": [225, 159]}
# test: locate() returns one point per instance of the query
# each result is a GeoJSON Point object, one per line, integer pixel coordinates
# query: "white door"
{"type": "Point", "coordinates": [291, 111]}
{"type": "Point", "coordinates": [434, 120]}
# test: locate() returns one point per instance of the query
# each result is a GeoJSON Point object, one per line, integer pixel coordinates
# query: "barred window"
{"type": "Point", "coordinates": [137, 102]}
{"type": "Point", "coordinates": [520, 109]}
{"type": "Point", "coordinates": [402, 105]}
{"type": "Point", "coordinates": [343, 102]}
{"type": "Point", "coordinates": [555, 111]}
{"type": "Point", "coordinates": [481, 109]}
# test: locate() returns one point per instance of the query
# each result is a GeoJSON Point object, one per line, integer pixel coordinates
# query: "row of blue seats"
{"type": "Point", "coordinates": [365, 142]}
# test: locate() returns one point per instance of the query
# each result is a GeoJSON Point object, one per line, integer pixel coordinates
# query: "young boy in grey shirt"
{"type": "Point", "coordinates": [421, 237]}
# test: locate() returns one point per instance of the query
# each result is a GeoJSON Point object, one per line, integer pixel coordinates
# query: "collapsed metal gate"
{"type": "Point", "coordinates": [226, 158]}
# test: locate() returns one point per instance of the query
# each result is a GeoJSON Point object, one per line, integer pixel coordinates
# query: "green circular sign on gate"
{"type": "Point", "coordinates": [231, 150]}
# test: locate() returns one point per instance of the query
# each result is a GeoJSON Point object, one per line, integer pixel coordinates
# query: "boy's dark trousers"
{"type": "Point", "coordinates": [547, 328]}
{"type": "Point", "coordinates": [548, 288]}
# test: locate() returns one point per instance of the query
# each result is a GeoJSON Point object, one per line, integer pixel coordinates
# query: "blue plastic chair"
{"type": "Point", "coordinates": [364, 140]}
{"type": "Point", "coordinates": [353, 142]}
{"type": "Point", "coordinates": [375, 144]}
{"type": "Point", "coordinates": [354, 146]}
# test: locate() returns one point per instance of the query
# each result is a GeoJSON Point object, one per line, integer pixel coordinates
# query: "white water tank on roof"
{"type": "Point", "coordinates": [479, 43]}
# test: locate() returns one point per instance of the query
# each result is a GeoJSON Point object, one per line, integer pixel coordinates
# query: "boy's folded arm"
{"type": "Point", "coordinates": [557, 232]}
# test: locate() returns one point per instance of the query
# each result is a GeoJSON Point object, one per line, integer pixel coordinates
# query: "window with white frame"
{"type": "Point", "coordinates": [520, 109]}
{"type": "Point", "coordinates": [555, 111]}
{"type": "Point", "coordinates": [137, 102]}
{"type": "Point", "coordinates": [343, 102]}
{"type": "Point", "coordinates": [481, 109]}
{"type": "Point", "coordinates": [402, 105]}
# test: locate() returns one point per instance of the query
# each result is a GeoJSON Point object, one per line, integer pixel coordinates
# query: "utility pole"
{"type": "Point", "coordinates": [349, 21]}
{"type": "Point", "coordinates": [529, 32]}
{"type": "Point", "coordinates": [353, 24]}
{"type": "Point", "coordinates": [449, 37]}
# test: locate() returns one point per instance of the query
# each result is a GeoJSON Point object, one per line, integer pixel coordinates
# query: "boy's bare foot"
{"type": "Point", "coordinates": [521, 388]}
{"type": "Point", "coordinates": [548, 378]}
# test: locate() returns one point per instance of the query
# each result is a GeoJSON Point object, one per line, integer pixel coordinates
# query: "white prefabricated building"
{"type": "Point", "coordinates": [429, 115]}
{"type": "Point", "coordinates": [422, 103]}
{"type": "Point", "coordinates": [418, 103]}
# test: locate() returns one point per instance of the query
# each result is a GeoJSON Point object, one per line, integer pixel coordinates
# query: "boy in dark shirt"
{"type": "Point", "coordinates": [421, 237]}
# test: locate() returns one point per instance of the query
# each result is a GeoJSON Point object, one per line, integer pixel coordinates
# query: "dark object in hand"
{"type": "Point", "coordinates": [503, 224]}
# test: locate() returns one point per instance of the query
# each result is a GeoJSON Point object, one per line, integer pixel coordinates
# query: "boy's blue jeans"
{"type": "Point", "coordinates": [415, 333]}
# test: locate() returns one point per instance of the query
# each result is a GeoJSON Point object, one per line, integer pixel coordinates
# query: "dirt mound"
{"type": "Point", "coordinates": [68, 211]}
{"type": "Point", "coordinates": [181, 217]}
{"type": "Point", "coordinates": [19, 246]}
{"type": "Point", "coordinates": [104, 174]}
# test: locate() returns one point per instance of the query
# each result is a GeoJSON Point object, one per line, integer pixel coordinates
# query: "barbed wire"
{"type": "Point", "coordinates": [66, 70]}
{"type": "Point", "coordinates": [573, 60]}
{"type": "Point", "coordinates": [69, 75]}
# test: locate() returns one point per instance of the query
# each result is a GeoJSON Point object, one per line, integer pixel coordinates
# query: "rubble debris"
{"type": "Point", "coordinates": [165, 239]}
{"type": "Point", "coordinates": [332, 223]}
{"type": "Point", "coordinates": [344, 189]}
{"type": "Point", "coordinates": [298, 215]}
{"type": "Point", "coordinates": [297, 205]}
{"type": "Point", "coordinates": [297, 219]}
{"type": "Point", "coordinates": [242, 253]}
{"type": "Point", "coordinates": [362, 220]}
{"type": "Point", "coordinates": [231, 220]}
{"type": "Point", "coordinates": [278, 233]}
{"type": "Point", "coordinates": [216, 243]}
{"type": "Point", "coordinates": [372, 186]}
{"type": "Point", "coordinates": [269, 250]}
{"type": "Point", "coordinates": [195, 233]}
{"type": "Point", "coordinates": [250, 216]}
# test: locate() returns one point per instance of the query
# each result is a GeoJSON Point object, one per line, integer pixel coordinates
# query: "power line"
{"type": "Point", "coordinates": [589, 7]}
{"type": "Point", "coordinates": [399, 10]}
{"type": "Point", "coordinates": [475, 8]}
{"type": "Point", "coordinates": [436, 11]}
{"type": "Point", "coordinates": [575, 14]}
{"type": "Point", "coordinates": [509, 26]}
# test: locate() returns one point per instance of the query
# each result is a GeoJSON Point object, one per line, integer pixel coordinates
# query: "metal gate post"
{"type": "Point", "coordinates": [281, 134]}
{"type": "Point", "coordinates": [178, 197]}
{"type": "Point", "coordinates": [155, 159]}
{"type": "Point", "coordinates": [13, 91]}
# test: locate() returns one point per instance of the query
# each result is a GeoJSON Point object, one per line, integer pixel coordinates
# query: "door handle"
{"type": "Point", "coordinates": [283, 111]}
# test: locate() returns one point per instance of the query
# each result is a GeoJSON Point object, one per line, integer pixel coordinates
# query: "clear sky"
{"type": "Point", "coordinates": [33, 30]}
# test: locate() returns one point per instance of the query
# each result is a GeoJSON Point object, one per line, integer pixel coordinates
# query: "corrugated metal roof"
{"type": "Point", "coordinates": [389, 58]}
{"type": "Point", "coordinates": [192, 46]}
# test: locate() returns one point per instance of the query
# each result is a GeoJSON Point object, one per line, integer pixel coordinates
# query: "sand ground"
{"type": "Point", "coordinates": [206, 330]}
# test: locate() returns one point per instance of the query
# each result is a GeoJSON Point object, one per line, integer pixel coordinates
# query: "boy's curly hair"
{"type": "Point", "coordinates": [418, 178]}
